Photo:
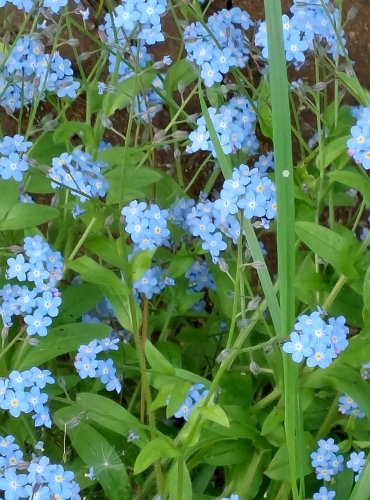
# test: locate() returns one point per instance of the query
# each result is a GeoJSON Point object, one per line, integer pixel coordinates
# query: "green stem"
{"type": "Point", "coordinates": [82, 239]}
{"type": "Point", "coordinates": [12, 342]}
{"type": "Point", "coordinates": [329, 419]}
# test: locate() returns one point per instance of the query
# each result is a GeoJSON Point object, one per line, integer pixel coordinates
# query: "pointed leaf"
{"type": "Point", "coordinates": [329, 245]}
{"type": "Point", "coordinates": [161, 447]}
{"type": "Point", "coordinates": [60, 340]}
{"type": "Point", "coordinates": [111, 287]}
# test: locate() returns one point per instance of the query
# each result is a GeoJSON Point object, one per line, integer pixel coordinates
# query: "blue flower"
{"type": "Point", "coordinates": [67, 87]}
{"type": "Point", "coordinates": [13, 484]}
{"type": "Point", "coordinates": [348, 406]}
{"type": "Point", "coordinates": [12, 167]}
{"type": "Point", "coordinates": [185, 409]}
{"type": "Point", "coordinates": [37, 323]}
{"type": "Point", "coordinates": [86, 367]}
{"type": "Point", "coordinates": [299, 346]}
{"type": "Point", "coordinates": [214, 244]}
{"type": "Point", "coordinates": [15, 402]}
{"type": "Point", "coordinates": [325, 339]}
{"type": "Point", "coordinates": [324, 494]}
{"type": "Point", "coordinates": [356, 462]}
{"type": "Point", "coordinates": [17, 268]}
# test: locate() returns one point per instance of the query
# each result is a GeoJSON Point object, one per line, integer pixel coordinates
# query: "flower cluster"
{"type": "Point", "coordinates": [227, 48]}
{"type": "Point", "coordinates": [179, 211]}
{"type": "Point", "coordinates": [13, 157]}
{"type": "Point", "coordinates": [27, 5]}
{"type": "Point", "coordinates": [234, 123]}
{"type": "Point", "coordinates": [38, 478]}
{"type": "Point", "coordinates": [126, 60]}
{"type": "Point", "coordinates": [311, 23]}
{"type": "Point", "coordinates": [359, 144]}
{"type": "Point", "coordinates": [325, 460]}
{"type": "Point", "coordinates": [265, 163]}
{"type": "Point", "coordinates": [20, 393]}
{"type": "Point", "coordinates": [40, 265]}
{"type": "Point", "coordinates": [29, 72]}
{"type": "Point", "coordinates": [317, 340]}
{"type": "Point", "coordinates": [328, 463]}
{"type": "Point", "coordinates": [347, 406]}
{"type": "Point", "coordinates": [153, 281]}
{"type": "Point", "coordinates": [139, 19]}
{"type": "Point", "coordinates": [196, 393]}
{"type": "Point", "coordinates": [246, 191]}
{"type": "Point", "coordinates": [80, 173]}
{"type": "Point", "coordinates": [199, 277]}
{"type": "Point", "coordinates": [146, 224]}
{"type": "Point", "coordinates": [88, 366]}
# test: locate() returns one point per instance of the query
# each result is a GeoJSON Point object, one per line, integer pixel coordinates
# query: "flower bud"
{"type": "Point", "coordinates": [254, 368]}
{"type": "Point", "coordinates": [352, 13]}
{"type": "Point", "coordinates": [222, 356]}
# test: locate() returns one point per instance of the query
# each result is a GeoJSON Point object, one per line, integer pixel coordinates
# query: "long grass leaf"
{"type": "Point", "coordinates": [285, 227]}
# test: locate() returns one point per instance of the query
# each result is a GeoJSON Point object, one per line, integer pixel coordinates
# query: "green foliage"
{"type": "Point", "coordinates": [21, 216]}
{"type": "Point", "coordinates": [110, 285]}
{"type": "Point", "coordinates": [60, 340]}
{"type": "Point", "coordinates": [252, 416]}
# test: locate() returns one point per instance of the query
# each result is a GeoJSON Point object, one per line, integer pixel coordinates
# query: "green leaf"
{"type": "Point", "coordinates": [366, 296]}
{"type": "Point", "coordinates": [353, 179]}
{"type": "Point", "coordinates": [111, 415]}
{"type": "Point", "coordinates": [44, 149]}
{"type": "Point", "coordinates": [227, 452]}
{"type": "Point", "coordinates": [96, 451]}
{"type": "Point", "coordinates": [331, 151]}
{"type": "Point", "coordinates": [329, 245]}
{"type": "Point", "coordinates": [224, 159]}
{"type": "Point", "coordinates": [106, 249]}
{"type": "Point", "coordinates": [77, 300]}
{"type": "Point", "coordinates": [279, 466]}
{"type": "Point", "coordinates": [354, 87]}
{"type": "Point", "coordinates": [141, 263]}
{"type": "Point", "coordinates": [60, 340]}
{"type": "Point", "coordinates": [215, 414]}
{"type": "Point", "coordinates": [357, 351]}
{"type": "Point", "coordinates": [121, 155]}
{"type": "Point", "coordinates": [38, 182]}
{"type": "Point", "coordinates": [345, 379]}
{"type": "Point", "coordinates": [178, 481]}
{"type": "Point", "coordinates": [68, 129]}
{"type": "Point", "coordinates": [27, 215]}
{"type": "Point", "coordinates": [161, 447]}
{"type": "Point", "coordinates": [177, 393]}
{"type": "Point", "coordinates": [182, 70]}
{"type": "Point", "coordinates": [126, 91]}
{"type": "Point", "coordinates": [135, 181]}
{"type": "Point", "coordinates": [111, 287]}
{"type": "Point", "coordinates": [264, 108]}
{"type": "Point", "coordinates": [180, 263]}
{"type": "Point", "coordinates": [343, 485]}
{"type": "Point", "coordinates": [156, 360]}
{"type": "Point", "coordinates": [9, 195]}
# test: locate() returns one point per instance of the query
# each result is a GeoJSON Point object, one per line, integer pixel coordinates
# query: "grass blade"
{"type": "Point", "coordinates": [285, 226]}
